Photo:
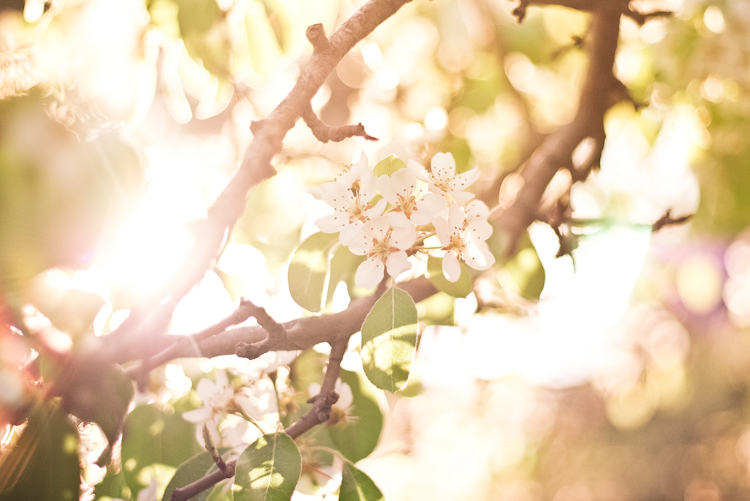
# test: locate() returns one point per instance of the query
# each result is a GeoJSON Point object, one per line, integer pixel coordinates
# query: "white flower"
{"type": "Point", "coordinates": [216, 398]}
{"type": "Point", "coordinates": [220, 399]}
{"type": "Point", "coordinates": [443, 179]}
{"type": "Point", "coordinates": [350, 197]}
{"type": "Point", "coordinates": [385, 248]}
{"type": "Point", "coordinates": [409, 203]}
{"type": "Point", "coordinates": [463, 235]}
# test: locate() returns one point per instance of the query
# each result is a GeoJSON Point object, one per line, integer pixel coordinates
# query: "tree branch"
{"type": "Point", "coordinates": [318, 414]}
{"type": "Point", "coordinates": [556, 150]}
{"type": "Point", "coordinates": [256, 167]}
{"type": "Point", "coordinates": [325, 133]}
{"type": "Point", "coordinates": [306, 332]}
{"type": "Point", "coordinates": [130, 340]}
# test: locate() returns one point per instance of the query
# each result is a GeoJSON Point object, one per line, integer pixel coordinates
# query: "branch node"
{"type": "Point", "coordinates": [316, 34]}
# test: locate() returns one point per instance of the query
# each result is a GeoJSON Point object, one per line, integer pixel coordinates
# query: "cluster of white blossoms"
{"type": "Point", "coordinates": [414, 204]}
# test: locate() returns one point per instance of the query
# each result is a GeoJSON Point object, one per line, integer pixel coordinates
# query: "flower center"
{"type": "Point", "coordinates": [381, 248]}
{"type": "Point", "coordinates": [406, 204]}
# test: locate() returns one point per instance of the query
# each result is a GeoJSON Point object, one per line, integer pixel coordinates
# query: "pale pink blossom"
{"type": "Point", "coordinates": [443, 180]}
{"type": "Point", "coordinates": [463, 236]}
{"type": "Point", "coordinates": [350, 196]}
{"type": "Point", "coordinates": [385, 248]}
{"type": "Point", "coordinates": [409, 203]}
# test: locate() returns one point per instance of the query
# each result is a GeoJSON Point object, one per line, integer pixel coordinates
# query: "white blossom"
{"type": "Point", "coordinates": [350, 196]}
{"type": "Point", "coordinates": [463, 236]}
{"type": "Point", "coordinates": [385, 248]}
{"type": "Point", "coordinates": [410, 204]}
{"type": "Point", "coordinates": [443, 180]}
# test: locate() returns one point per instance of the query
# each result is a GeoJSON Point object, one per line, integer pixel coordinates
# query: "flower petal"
{"type": "Point", "coordinates": [430, 205]}
{"type": "Point", "coordinates": [399, 219]}
{"type": "Point", "coordinates": [443, 230]}
{"type": "Point", "coordinates": [197, 415]}
{"type": "Point", "coordinates": [404, 182]}
{"type": "Point", "coordinates": [403, 238]}
{"type": "Point", "coordinates": [385, 185]}
{"type": "Point", "coordinates": [478, 256]}
{"type": "Point", "coordinates": [418, 170]}
{"type": "Point", "coordinates": [464, 180]}
{"type": "Point", "coordinates": [317, 192]}
{"type": "Point", "coordinates": [397, 263]}
{"type": "Point", "coordinates": [478, 231]}
{"type": "Point", "coordinates": [443, 167]}
{"type": "Point", "coordinates": [477, 210]}
{"type": "Point", "coordinates": [377, 210]}
{"type": "Point", "coordinates": [348, 233]}
{"type": "Point", "coordinates": [369, 273]}
{"type": "Point", "coordinates": [206, 389]}
{"type": "Point", "coordinates": [345, 394]}
{"type": "Point", "coordinates": [451, 266]}
{"type": "Point", "coordinates": [456, 218]}
{"type": "Point", "coordinates": [461, 196]}
{"type": "Point", "coordinates": [332, 223]}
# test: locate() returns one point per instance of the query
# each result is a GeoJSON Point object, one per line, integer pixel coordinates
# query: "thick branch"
{"type": "Point", "coordinates": [556, 150]}
{"type": "Point", "coordinates": [309, 331]}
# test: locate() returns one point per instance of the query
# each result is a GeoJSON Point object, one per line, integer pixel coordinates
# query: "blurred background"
{"type": "Point", "coordinates": [618, 373]}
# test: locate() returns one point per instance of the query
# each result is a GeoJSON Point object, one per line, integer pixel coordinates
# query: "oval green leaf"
{"type": "Point", "coordinates": [389, 338]}
{"type": "Point", "coordinates": [388, 166]}
{"type": "Point", "coordinates": [268, 470]}
{"type": "Point", "coordinates": [344, 265]}
{"type": "Point", "coordinates": [152, 436]}
{"type": "Point", "coordinates": [44, 462]}
{"type": "Point", "coordinates": [357, 436]}
{"type": "Point", "coordinates": [357, 486]}
{"type": "Point", "coordinates": [195, 468]}
{"type": "Point", "coordinates": [308, 269]}
{"type": "Point", "coordinates": [459, 288]}
{"type": "Point", "coordinates": [524, 274]}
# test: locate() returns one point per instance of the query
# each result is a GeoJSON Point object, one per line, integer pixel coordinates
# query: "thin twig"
{"type": "Point", "coordinates": [325, 133]}
{"type": "Point", "coordinates": [243, 312]}
{"type": "Point", "coordinates": [338, 349]}
{"type": "Point", "coordinates": [318, 414]}
{"type": "Point", "coordinates": [276, 335]}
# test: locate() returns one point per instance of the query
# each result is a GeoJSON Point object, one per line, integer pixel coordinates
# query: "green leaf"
{"type": "Point", "coordinates": [44, 462]}
{"type": "Point", "coordinates": [308, 269]}
{"type": "Point", "coordinates": [344, 265]}
{"type": "Point", "coordinates": [268, 470]}
{"type": "Point", "coordinates": [154, 436]}
{"type": "Point", "coordinates": [459, 288]}
{"type": "Point", "coordinates": [524, 274]}
{"type": "Point", "coordinates": [389, 338]}
{"type": "Point", "coordinates": [195, 468]}
{"type": "Point", "coordinates": [357, 436]}
{"type": "Point", "coordinates": [388, 166]}
{"type": "Point", "coordinates": [357, 486]}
